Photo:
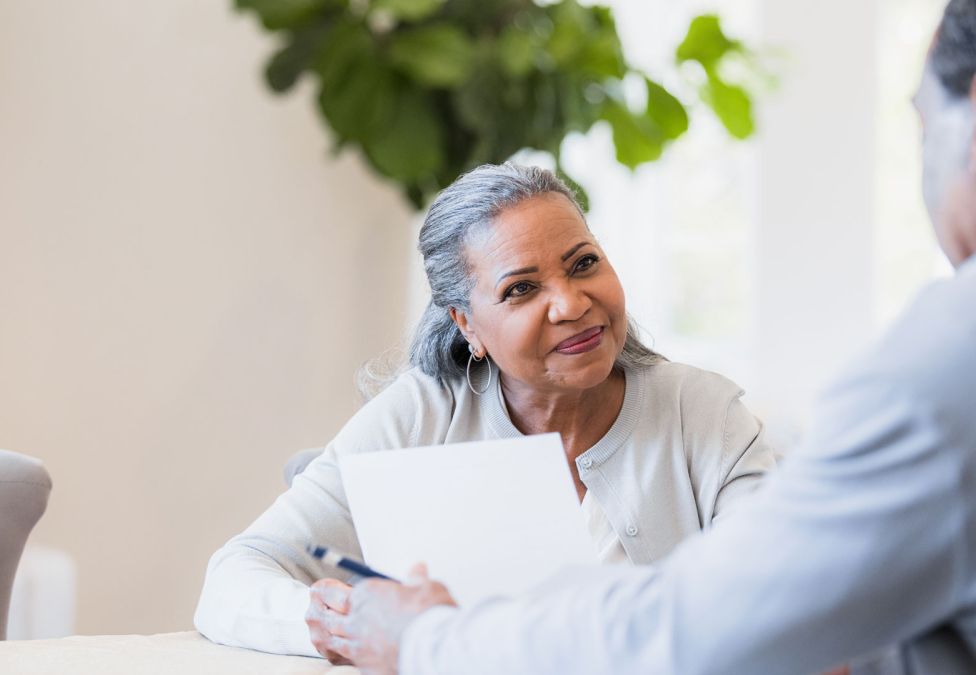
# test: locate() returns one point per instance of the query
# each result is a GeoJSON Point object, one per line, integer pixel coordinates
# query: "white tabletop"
{"type": "Point", "coordinates": [186, 653]}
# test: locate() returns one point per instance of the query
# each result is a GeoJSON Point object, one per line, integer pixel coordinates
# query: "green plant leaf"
{"type": "Point", "coordinates": [357, 94]}
{"type": "Point", "coordinates": [705, 42]}
{"type": "Point", "coordinates": [411, 149]}
{"type": "Point", "coordinates": [732, 105]}
{"type": "Point", "coordinates": [408, 10]}
{"type": "Point", "coordinates": [665, 111]}
{"type": "Point", "coordinates": [585, 39]}
{"type": "Point", "coordinates": [289, 62]}
{"type": "Point", "coordinates": [280, 14]}
{"type": "Point", "coordinates": [362, 106]}
{"type": "Point", "coordinates": [635, 138]}
{"type": "Point", "coordinates": [415, 195]}
{"type": "Point", "coordinates": [439, 55]}
{"type": "Point", "coordinates": [474, 102]}
{"type": "Point", "coordinates": [347, 44]}
{"type": "Point", "coordinates": [496, 114]}
{"type": "Point", "coordinates": [601, 53]}
{"type": "Point", "coordinates": [569, 22]}
{"type": "Point", "coordinates": [516, 51]}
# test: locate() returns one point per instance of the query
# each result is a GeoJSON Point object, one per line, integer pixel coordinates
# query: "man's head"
{"type": "Point", "coordinates": [946, 101]}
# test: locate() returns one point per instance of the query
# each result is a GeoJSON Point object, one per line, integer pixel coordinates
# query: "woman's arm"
{"type": "Point", "coordinates": [256, 594]}
{"type": "Point", "coordinates": [746, 458]}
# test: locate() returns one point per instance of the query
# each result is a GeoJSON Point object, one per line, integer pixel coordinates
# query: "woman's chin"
{"type": "Point", "coordinates": [586, 375]}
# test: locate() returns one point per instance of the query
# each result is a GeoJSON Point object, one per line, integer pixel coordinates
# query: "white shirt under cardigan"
{"type": "Point", "coordinates": [864, 538]}
{"type": "Point", "coordinates": [681, 452]}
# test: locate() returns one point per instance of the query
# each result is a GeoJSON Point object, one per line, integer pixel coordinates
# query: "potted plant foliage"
{"type": "Point", "coordinates": [427, 89]}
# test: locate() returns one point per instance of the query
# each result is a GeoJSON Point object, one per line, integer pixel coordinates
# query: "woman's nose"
{"type": "Point", "coordinates": [568, 303]}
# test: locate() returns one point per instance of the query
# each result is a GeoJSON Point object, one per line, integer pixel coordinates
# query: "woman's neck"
{"type": "Point", "coordinates": [580, 417]}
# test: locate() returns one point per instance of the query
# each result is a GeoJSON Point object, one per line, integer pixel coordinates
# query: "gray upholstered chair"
{"type": "Point", "coordinates": [24, 489]}
{"type": "Point", "coordinates": [297, 463]}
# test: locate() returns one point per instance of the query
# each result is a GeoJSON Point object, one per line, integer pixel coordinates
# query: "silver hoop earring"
{"type": "Point", "coordinates": [477, 360]}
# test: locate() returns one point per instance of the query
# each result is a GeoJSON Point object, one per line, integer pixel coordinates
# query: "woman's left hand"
{"type": "Point", "coordinates": [379, 612]}
{"type": "Point", "coordinates": [328, 598]}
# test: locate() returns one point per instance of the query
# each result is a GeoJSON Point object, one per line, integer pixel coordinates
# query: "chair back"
{"type": "Point", "coordinates": [297, 463]}
{"type": "Point", "coordinates": [24, 489]}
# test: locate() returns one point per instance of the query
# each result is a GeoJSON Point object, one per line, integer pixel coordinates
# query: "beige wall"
{"type": "Point", "coordinates": [188, 282]}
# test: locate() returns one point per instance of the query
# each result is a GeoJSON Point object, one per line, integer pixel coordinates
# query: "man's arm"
{"type": "Point", "coordinates": [856, 542]}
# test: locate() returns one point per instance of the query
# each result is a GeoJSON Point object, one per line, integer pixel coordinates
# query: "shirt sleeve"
{"type": "Point", "coordinates": [857, 541]}
{"type": "Point", "coordinates": [255, 593]}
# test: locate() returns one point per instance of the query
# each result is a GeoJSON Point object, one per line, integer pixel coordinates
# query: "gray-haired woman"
{"type": "Point", "coordinates": [526, 332]}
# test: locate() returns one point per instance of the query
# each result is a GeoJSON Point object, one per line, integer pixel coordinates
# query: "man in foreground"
{"type": "Point", "coordinates": [861, 548]}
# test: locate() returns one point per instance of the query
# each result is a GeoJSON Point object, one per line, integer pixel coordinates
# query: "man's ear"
{"type": "Point", "coordinates": [972, 141]}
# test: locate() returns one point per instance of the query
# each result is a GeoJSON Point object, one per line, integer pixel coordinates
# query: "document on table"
{"type": "Point", "coordinates": [488, 517]}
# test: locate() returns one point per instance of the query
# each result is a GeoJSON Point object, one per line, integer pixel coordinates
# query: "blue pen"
{"type": "Point", "coordinates": [336, 559]}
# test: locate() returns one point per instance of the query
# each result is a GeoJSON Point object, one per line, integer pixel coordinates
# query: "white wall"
{"type": "Point", "coordinates": [188, 282]}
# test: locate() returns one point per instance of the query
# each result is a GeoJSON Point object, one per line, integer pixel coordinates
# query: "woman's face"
{"type": "Point", "coordinates": [547, 306]}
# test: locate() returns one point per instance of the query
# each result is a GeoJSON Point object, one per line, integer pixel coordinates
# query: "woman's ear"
{"type": "Point", "coordinates": [460, 318]}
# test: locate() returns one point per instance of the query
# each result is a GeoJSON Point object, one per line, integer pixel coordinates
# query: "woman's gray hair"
{"type": "Point", "coordinates": [468, 205]}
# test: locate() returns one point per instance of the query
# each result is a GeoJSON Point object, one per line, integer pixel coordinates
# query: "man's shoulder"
{"type": "Point", "coordinates": [931, 348]}
{"type": "Point", "coordinates": [921, 374]}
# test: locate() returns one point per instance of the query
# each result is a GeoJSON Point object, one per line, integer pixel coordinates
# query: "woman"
{"type": "Point", "coordinates": [526, 333]}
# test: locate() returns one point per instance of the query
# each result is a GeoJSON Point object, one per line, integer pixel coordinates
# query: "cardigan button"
{"type": "Point", "coordinates": [631, 530]}
{"type": "Point", "coordinates": [586, 462]}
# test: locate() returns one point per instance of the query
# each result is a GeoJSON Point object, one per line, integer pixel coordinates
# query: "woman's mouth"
{"type": "Point", "coordinates": [586, 341]}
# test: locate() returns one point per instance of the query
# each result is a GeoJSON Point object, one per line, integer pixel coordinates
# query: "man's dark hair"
{"type": "Point", "coordinates": [954, 55]}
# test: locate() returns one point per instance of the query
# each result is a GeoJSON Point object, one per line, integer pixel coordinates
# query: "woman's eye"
{"type": "Point", "coordinates": [518, 289]}
{"type": "Point", "coordinates": [585, 263]}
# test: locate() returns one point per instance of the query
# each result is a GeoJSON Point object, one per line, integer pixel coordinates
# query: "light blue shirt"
{"type": "Point", "coordinates": [864, 539]}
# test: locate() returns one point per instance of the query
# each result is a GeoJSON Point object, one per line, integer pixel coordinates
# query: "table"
{"type": "Point", "coordinates": [187, 653]}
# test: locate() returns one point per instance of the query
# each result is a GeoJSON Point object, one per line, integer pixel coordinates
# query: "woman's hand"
{"type": "Point", "coordinates": [376, 613]}
{"type": "Point", "coordinates": [329, 599]}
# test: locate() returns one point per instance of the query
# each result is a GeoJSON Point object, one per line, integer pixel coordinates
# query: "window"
{"type": "Point", "coordinates": [679, 231]}
{"type": "Point", "coordinates": [906, 251]}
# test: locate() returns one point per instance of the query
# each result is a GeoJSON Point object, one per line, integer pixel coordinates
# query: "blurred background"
{"type": "Point", "coordinates": [190, 279]}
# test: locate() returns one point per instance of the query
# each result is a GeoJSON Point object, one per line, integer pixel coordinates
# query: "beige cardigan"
{"type": "Point", "coordinates": [680, 454]}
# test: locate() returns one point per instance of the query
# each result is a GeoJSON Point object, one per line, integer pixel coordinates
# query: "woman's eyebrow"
{"type": "Point", "coordinates": [521, 270]}
{"type": "Point", "coordinates": [573, 250]}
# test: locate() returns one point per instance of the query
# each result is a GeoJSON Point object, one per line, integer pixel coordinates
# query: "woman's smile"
{"type": "Point", "coordinates": [583, 342]}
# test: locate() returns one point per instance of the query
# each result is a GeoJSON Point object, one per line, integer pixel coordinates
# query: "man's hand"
{"type": "Point", "coordinates": [367, 622]}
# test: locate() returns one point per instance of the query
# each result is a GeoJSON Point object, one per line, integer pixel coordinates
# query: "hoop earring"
{"type": "Point", "coordinates": [477, 360]}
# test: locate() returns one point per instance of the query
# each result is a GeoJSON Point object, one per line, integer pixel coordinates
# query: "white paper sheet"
{"type": "Point", "coordinates": [488, 518]}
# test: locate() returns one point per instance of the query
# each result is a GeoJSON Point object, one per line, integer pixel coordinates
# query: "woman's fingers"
{"type": "Point", "coordinates": [330, 621]}
{"type": "Point", "coordinates": [336, 645]}
{"type": "Point", "coordinates": [335, 623]}
{"type": "Point", "coordinates": [327, 620]}
{"type": "Point", "coordinates": [332, 593]}
{"type": "Point", "coordinates": [335, 658]}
